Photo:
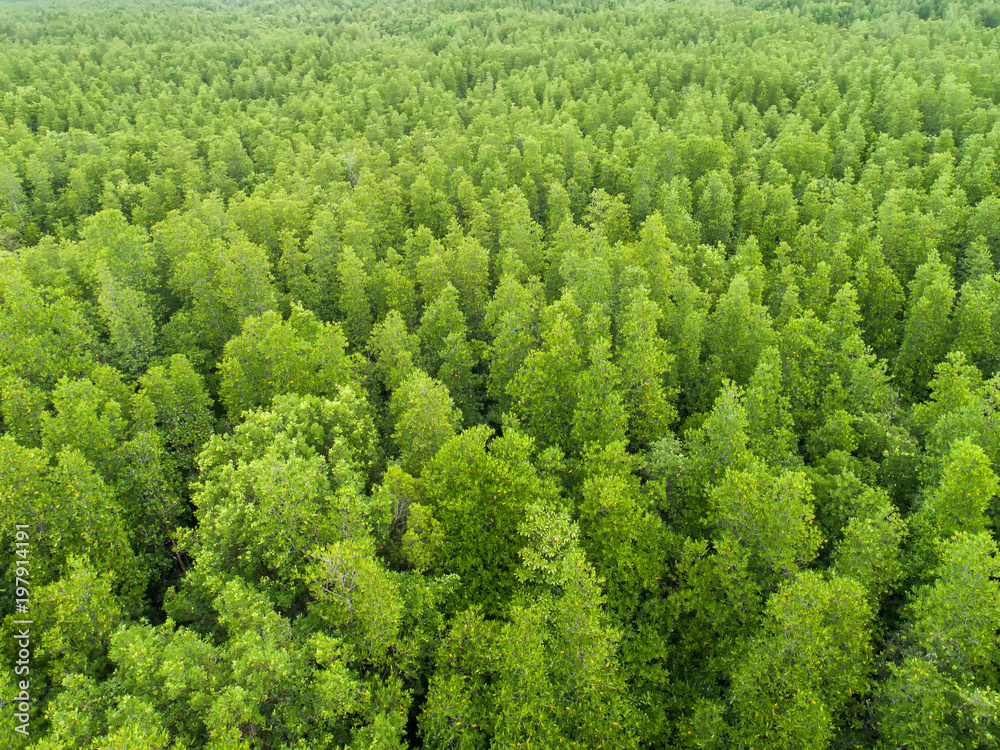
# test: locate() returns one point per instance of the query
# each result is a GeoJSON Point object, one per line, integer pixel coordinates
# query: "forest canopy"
{"type": "Point", "coordinates": [499, 373]}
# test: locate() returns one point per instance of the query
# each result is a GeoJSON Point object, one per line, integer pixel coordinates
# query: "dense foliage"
{"type": "Point", "coordinates": [501, 373]}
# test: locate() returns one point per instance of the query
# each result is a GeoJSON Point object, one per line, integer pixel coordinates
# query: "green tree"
{"type": "Point", "coordinates": [477, 488]}
{"type": "Point", "coordinates": [770, 424]}
{"type": "Point", "coordinates": [43, 338]}
{"type": "Point", "coordinates": [23, 407]}
{"type": "Point", "coordinates": [600, 416]}
{"type": "Point", "coordinates": [960, 405]}
{"type": "Point", "coordinates": [715, 210]}
{"type": "Point", "coordinates": [396, 351]}
{"type": "Point", "coordinates": [458, 373]}
{"type": "Point", "coordinates": [720, 443]}
{"type": "Point", "coordinates": [70, 509]}
{"type": "Point", "coordinates": [286, 480]}
{"type": "Point", "coordinates": [644, 365]}
{"type": "Point", "coordinates": [392, 289]}
{"type": "Point", "coordinates": [870, 551]}
{"type": "Point", "coordinates": [273, 356]}
{"type": "Point", "coordinates": [231, 167]}
{"type": "Point", "coordinates": [424, 417]}
{"type": "Point", "coordinates": [544, 387]}
{"type": "Point", "coordinates": [468, 267]}
{"type": "Point", "coordinates": [130, 322]}
{"type": "Point", "coordinates": [442, 318]}
{"type": "Point", "coordinates": [953, 617]}
{"type": "Point", "coordinates": [513, 321]}
{"type": "Point", "coordinates": [882, 299]}
{"type": "Point", "coordinates": [919, 707]}
{"type": "Point", "coordinates": [77, 616]}
{"type": "Point", "coordinates": [353, 302]}
{"type": "Point", "coordinates": [174, 398]}
{"type": "Point", "coordinates": [768, 516]}
{"type": "Point", "coordinates": [610, 216]}
{"type": "Point", "coordinates": [959, 503]}
{"type": "Point", "coordinates": [219, 282]}
{"type": "Point", "coordinates": [738, 332]}
{"type": "Point", "coordinates": [621, 535]}
{"type": "Point", "coordinates": [552, 661]}
{"type": "Point", "coordinates": [975, 318]}
{"type": "Point", "coordinates": [800, 674]}
{"type": "Point", "coordinates": [520, 240]}
{"type": "Point", "coordinates": [965, 493]}
{"type": "Point", "coordinates": [928, 326]}
{"type": "Point", "coordinates": [91, 418]}
{"type": "Point", "coordinates": [944, 691]}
